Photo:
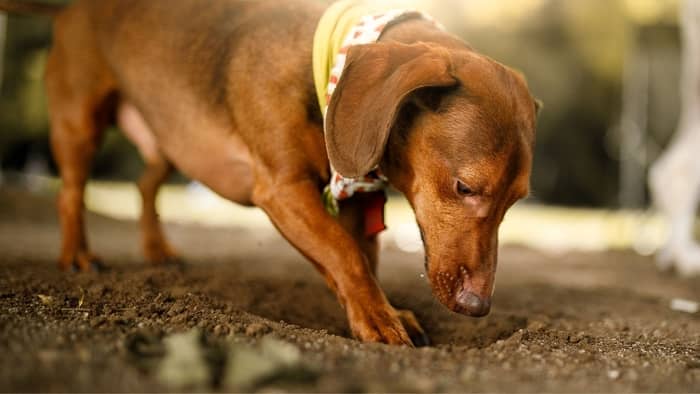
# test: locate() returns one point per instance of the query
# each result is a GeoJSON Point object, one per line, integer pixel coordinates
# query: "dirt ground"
{"type": "Point", "coordinates": [568, 323]}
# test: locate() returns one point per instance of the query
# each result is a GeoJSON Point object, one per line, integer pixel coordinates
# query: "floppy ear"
{"type": "Point", "coordinates": [376, 81]}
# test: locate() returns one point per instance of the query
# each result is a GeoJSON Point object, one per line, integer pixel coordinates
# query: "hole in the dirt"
{"type": "Point", "coordinates": [305, 303]}
{"type": "Point", "coordinates": [476, 333]}
{"type": "Point", "coordinates": [304, 300]}
{"type": "Point", "coordinates": [444, 327]}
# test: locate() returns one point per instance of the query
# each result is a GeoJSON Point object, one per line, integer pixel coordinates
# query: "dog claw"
{"type": "Point", "coordinates": [98, 266]}
{"type": "Point", "coordinates": [82, 262]}
{"type": "Point", "coordinates": [415, 331]}
{"type": "Point", "coordinates": [85, 264]}
{"type": "Point", "coordinates": [420, 339]}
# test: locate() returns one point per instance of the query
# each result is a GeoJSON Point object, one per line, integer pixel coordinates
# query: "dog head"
{"type": "Point", "coordinates": [454, 131]}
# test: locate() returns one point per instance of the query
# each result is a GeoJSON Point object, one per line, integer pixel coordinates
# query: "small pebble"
{"type": "Point", "coordinates": [255, 329]}
{"type": "Point", "coordinates": [576, 338]}
{"type": "Point", "coordinates": [46, 300]}
{"type": "Point", "coordinates": [97, 321]}
{"type": "Point", "coordinates": [220, 329]}
{"type": "Point", "coordinates": [536, 325]}
{"type": "Point", "coordinates": [130, 314]}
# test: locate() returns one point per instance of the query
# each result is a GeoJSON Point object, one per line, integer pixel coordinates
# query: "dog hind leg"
{"type": "Point", "coordinates": [156, 248]}
{"type": "Point", "coordinates": [77, 121]}
{"type": "Point", "coordinates": [82, 96]}
{"type": "Point", "coordinates": [74, 143]}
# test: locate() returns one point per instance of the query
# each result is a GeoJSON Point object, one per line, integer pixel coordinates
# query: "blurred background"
{"type": "Point", "coordinates": [606, 70]}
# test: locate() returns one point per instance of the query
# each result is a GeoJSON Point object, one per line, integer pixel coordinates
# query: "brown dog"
{"type": "Point", "coordinates": [224, 92]}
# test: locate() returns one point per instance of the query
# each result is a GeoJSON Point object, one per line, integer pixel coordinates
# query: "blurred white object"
{"type": "Point", "coordinates": [681, 305]}
{"type": "Point", "coordinates": [674, 179]}
{"type": "Point", "coordinates": [201, 196]}
{"type": "Point", "coordinates": [36, 172]}
{"type": "Point", "coordinates": [407, 237]}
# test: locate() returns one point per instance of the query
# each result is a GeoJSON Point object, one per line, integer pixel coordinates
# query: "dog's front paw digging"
{"type": "Point", "coordinates": [382, 324]}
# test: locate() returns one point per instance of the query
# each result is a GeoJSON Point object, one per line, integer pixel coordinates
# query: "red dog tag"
{"type": "Point", "coordinates": [374, 213]}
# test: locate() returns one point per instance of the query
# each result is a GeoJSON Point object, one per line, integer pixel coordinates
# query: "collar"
{"type": "Point", "coordinates": [345, 24]}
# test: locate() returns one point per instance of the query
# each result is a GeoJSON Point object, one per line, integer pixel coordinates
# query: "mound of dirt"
{"type": "Point", "coordinates": [249, 313]}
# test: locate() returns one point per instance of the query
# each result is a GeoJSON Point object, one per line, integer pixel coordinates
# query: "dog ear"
{"type": "Point", "coordinates": [376, 81]}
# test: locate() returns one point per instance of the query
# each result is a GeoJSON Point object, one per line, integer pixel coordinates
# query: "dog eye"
{"type": "Point", "coordinates": [463, 190]}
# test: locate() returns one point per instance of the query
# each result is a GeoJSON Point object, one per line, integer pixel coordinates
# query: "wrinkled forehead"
{"type": "Point", "coordinates": [474, 128]}
{"type": "Point", "coordinates": [487, 123]}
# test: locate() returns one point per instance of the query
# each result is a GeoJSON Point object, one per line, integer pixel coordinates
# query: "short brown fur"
{"type": "Point", "coordinates": [224, 93]}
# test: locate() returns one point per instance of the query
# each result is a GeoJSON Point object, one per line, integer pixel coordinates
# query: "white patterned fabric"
{"type": "Point", "coordinates": [366, 31]}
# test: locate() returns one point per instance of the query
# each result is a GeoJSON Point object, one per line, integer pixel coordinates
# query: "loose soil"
{"type": "Point", "coordinates": [571, 322]}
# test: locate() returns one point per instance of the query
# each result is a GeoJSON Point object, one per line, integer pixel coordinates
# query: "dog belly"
{"type": "Point", "coordinates": [227, 171]}
{"type": "Point", "coordinates": [219, 160]}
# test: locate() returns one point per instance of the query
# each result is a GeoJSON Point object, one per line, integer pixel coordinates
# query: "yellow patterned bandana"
{"type": "Point", "coordinates": [344, 24]}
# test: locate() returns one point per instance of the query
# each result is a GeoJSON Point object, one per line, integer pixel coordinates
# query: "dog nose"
{"type": "Point", "coordinates": [472, 305]}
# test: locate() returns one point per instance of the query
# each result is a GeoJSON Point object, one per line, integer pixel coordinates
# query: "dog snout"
{"type": "Point", "coordinates": [471, 304]}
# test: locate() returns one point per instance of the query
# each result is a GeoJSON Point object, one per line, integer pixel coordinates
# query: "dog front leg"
{"type": "Point", "coordinates": [296, 209]}
{"type": "Point", "coordinates": [352, 218]}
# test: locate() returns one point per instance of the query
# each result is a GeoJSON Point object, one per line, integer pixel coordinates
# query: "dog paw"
{"type": "Point", "coordinates": [175, 263]}
{"type": "Point", "coordinates": [82, 262]}
{"type": "Point", "coordinates": [161, 254]}
{"type": "Point", "coordinates": [379, 324]}
{"type": "Point", "coordinates": [414, 329]}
